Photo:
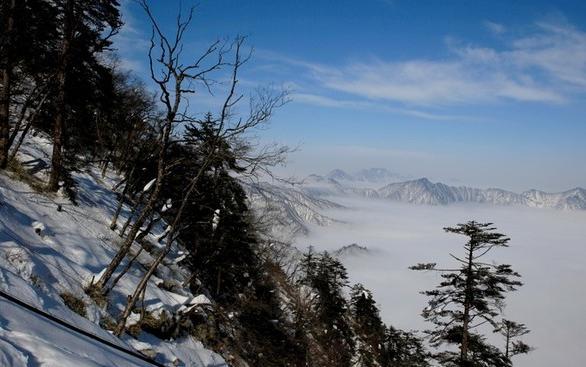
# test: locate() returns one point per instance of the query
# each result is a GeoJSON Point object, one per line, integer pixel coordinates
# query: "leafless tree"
{"type": "Point", "coordinates": [228, 126]}
{"type": "Point", "coordinates": [175, 80]}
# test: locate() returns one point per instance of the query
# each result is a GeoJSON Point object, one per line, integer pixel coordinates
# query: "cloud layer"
{"type": "Point", "coordinates": [546, 248]}
{"type": "Point", "coordinates": [546, 65]}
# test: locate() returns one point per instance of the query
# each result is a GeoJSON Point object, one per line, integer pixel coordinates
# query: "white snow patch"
{"type": "Point", "coordinates": [149, 184]}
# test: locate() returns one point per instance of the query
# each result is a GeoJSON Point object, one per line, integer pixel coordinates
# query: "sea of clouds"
{"type": "Point", "coordinates": [548, 248]}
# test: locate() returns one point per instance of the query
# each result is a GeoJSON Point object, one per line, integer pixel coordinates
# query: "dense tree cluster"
{"type": "Point", "coordinates": [344, 322]}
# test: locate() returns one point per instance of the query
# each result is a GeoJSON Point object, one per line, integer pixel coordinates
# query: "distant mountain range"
{"type": "Point", "coordinates": [291, 209]}
{"type": "Point", "coordinates": [423, 191]}
{"type": "Point", "coordinates": [372, 175]}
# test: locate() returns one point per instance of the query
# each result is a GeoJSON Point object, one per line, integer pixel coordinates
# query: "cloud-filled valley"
{"type": "Point", "coordinates": [546, 248]}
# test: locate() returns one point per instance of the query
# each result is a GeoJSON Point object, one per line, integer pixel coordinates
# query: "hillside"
{"type": "Point", "coordinates": [46, 253]}
{"type": "Point", "coordinates": [52, 250]}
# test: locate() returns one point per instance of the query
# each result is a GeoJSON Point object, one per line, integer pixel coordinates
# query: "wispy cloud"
{"type": "Point", "coordinates": [495, 28]}
{"type": "Point", "coordinates": [323, 101]}
{"type": "Point", "coordinates": [558, 50]}
{"type": "Point", "coordinates": [546, 66]}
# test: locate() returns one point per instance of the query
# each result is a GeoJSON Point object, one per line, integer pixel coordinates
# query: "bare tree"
{"type": "Point", "coordinates": [175, 80]}
{"type": "Point", "coordinates": [30, 117]}
{"type": "Point", "coordinates": [228, 128]}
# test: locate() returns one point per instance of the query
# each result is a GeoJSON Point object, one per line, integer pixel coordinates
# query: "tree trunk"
{"type": "Point", "coordinates": [114, 222]}
{"type": "Point", "coordinates": [124, 271]}
{"type": "Point", "coordinates": [6, 91]}
{"type": "Point", "coordinates": [172, 237]}
{"type": "Point", "coordinates": [148, 228]}
{"type": "Point", "coordinates": [508, 342]}
{"type": "Point", "coordinates": [146, 210]}
{"type": "Point", "coordinates": [105, 165]}
{"type": "Point", "coordinates": [133, 211]}
{"type": "Point", "coordinates": [60, 117]}
{"type": "Point", "coordinates": [140, 288]}
{"type": "Point", "coordinates": [464, 347]}
{"type": "Point", "coordinates": [27, 127]}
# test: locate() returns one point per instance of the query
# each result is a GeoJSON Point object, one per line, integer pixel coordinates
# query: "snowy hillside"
{"type": "Point", "coordinates": [48, 256]}
{"type": "Point", "coordinates": [288, 211]}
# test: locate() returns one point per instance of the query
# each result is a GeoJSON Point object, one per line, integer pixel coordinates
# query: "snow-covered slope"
{"type": "Point", "coordinates": [316, 185]}
{"type": "Point", "coordinates": [339, 175]}
{"type": "Point", "coordinates": [45, 253]}
{"type": "Point", "coordinates": [288, 210]}
{"type": "Point", "coordinates": [574, 199]}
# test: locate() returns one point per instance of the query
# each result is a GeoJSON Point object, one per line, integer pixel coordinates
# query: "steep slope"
{"type": "Point", "coordinates": [574, 199]}
{"type": "Point", "coordinates": [288, 211]}
{"type": "Point", "coordinates": [46, 253]}
{"type": "Point", "coordinates": [316, 185]}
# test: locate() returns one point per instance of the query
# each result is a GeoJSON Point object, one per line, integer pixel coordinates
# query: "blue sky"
{"type": "Point", "coordinates": [484, 93]}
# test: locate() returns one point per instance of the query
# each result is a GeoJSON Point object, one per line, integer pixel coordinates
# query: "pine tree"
{"type": "Point", "coordinates": [469, 296]}
{"type": "Point", "coordinates": [403, 349]}
{"type": "Point", "coordinates": [28, 31]}
{"type": "Point", "coordinates": [511, 330]}
{"type": "Point", "coordinates": [82, 38]}
{"type": "Point", "coordinates": [369, 327]}
{"type": "Point", "coordinates": [327, 277]}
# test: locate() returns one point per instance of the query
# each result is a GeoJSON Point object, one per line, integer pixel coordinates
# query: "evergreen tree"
{"type": "Point", "coordinates": [369, 327]}
{"type": "Point", "coordinates": [511, 330]}
{"type": "Point", "coordinates": [403, 349]}
{"type": "Point", "coordinates": [469, 296]}
{"type": "Point", "coordinates": [326, 276]}
{"type": "Point", "coordinates": [83, 37]}
{"type": "Point", "coordinates": [28, 32]}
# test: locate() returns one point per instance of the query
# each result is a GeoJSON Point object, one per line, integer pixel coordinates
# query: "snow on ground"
{"type": "Point", "coordinates": [45, 252]}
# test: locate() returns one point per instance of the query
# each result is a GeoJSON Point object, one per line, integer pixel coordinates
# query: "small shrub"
{"type": "Point", "coordinates": [21, 174]}
{"type": "Point", "coordinates": [96, 295]}
{"type": "Point", "coordinates": [170, 285]}
{"type": "Point", "coordinates": [134, 330]}
{"type": "Point", "coordinates": [108, 323]}
{"type": "Point", "coordinates": [75, 304]}
{"type": "Point", "coordinates": [164, 326]}
{"type": "Point", "coordinates": [36, 281]}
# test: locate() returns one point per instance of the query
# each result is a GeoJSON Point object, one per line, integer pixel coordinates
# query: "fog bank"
{"type": "Point", "coordinates": [547, 247]}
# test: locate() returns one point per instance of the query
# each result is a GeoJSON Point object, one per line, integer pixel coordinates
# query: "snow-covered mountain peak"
{"type": "Point", "coordinates": [339, 175]}
{"type": "Point", "coordinates": [380, 175]}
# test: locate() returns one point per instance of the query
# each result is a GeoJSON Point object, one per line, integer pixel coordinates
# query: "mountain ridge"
{"type": "Point", "coordinates": [424, 191]}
